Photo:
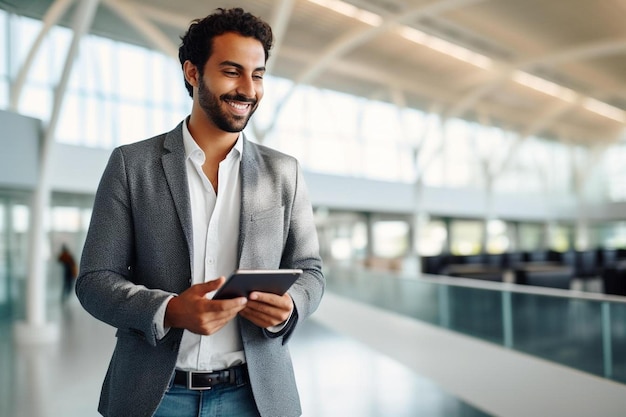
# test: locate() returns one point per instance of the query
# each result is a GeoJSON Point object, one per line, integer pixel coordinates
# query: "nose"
{"type": "Point", "coordinates": [246, 86]}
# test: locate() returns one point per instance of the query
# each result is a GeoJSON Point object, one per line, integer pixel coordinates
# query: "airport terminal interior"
{"type": "Point", "coordinates": [464, 161]}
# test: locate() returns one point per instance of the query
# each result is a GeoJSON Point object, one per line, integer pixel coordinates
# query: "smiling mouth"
{"type": "Point", "coordinates": [239, 107]}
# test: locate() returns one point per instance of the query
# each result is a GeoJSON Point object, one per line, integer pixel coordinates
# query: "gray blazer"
{"type": "Point", "coordinates": [139, 251]}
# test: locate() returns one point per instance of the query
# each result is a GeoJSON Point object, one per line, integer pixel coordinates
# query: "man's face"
{"type": "Point", "coordinates": [232, 84]}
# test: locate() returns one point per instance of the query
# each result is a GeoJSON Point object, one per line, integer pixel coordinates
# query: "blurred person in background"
{"type": "Point", "coordinates": [67, 261]}
{"type": "Point", "coordinates": [176, 213]}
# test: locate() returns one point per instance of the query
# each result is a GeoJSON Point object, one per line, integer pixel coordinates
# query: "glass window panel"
{"type": "Point", "coordinates": [66, 219]}
{"type": "Point", "coordinates": [42, 71]}
{"type": "Point", "coordinates": [85, 218]}
{"type": "Point", "coordinates": [160, 121]}
{"type": "Point", "coordinates": [324, 161]}
{"type": "Point", "coordinates": [459, 156]}
{"type": "Point", "coordinates": [561, 237]}
{"type": "Point", "coordinates": [175, 92]}
{"type": "Point", "coordinates": [390, 238]}
{"type": "Point", "coordinates": [106, 137]}
{"type": "Point", "coordinates": [414, 124]}
{"type": "Point", "coordinates": [100, 54]}
{"type": "Point", "coordinates": [610, 235]}
{"type": "Point", "coordinates": [342, 114]}
{"type": "Point", "coordinates": [58, 42]}
{"type": "Point", "coordinates": [293, 143]}
{"type": "Point", "coordinates": [497, 237]}
{"type": "Point", "coordinates": [132, 123]}
{"type": "Point", "coordinates": [466, 237]}
{"type": "Point", "coordinates": [275, 92]}
{"type": "Point", "coordinates": [20, 218]}
{"type": "Point", "coordinates": [4, 58]}
{"type": "Point", "coordinates": [530, 236]}
{"type": "Point", "coordinates": [36, 102]}
{"type": "Point", "coordinates": [25, 31]}
{"type": "Point", "coordinates": [93, 122]}
{"type": "Point", "coordinates": [131, 75]}
{"type": "Point", "coordinates": [69, 129]}
{"type": "Point", "coordinates": [380, 123]}
{"type": "Point", "coordinates": [4, 93]}
{"type": "Point", "coordinates": [380, 161]}
{"type": "Point", "coordinates": [160, 85]}
{"type": "Point", "coordinates": [432, 237]}
{"type": "Point", "coordinates": [83, 73]}
{"type": "Point", "coordinates": [431, 157]}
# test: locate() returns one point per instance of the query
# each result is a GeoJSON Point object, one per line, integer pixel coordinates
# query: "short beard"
{"type": "Point", "coordinates": [210, 104]}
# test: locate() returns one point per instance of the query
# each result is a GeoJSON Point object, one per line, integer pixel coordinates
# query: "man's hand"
{"type": "Point", "coordinates": [193, 311]}
{"type": "Point", "coordinates": [266, 310]}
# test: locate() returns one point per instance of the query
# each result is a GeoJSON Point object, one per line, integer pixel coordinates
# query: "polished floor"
{"type": "Point", "coordinates": [337, 376]}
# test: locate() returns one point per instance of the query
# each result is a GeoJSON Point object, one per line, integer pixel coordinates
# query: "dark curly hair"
{"type": "Point", "coordinates": [197, 43]}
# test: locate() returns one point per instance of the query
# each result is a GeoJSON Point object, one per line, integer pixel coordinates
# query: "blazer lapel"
{"type": "Point", "coordinates": [249, 186]}
{"type": "Point", "coordinates": [176, 175]}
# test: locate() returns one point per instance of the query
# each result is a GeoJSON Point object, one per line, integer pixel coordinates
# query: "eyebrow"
{"type": "Point", "coordinates": [239, 66]}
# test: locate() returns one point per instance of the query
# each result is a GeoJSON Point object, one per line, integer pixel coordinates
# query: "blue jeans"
{"type": "Point", "coordinates": [220, 401]}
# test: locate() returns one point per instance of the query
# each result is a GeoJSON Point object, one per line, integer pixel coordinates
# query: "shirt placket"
{"type": "Point", "coordinates": [205, 346]}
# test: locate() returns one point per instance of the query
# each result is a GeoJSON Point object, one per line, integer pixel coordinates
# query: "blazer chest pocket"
{"type": "Point", "coordinates": [266, 227]}
{"type": "Point", "coordinates": [273, 214]}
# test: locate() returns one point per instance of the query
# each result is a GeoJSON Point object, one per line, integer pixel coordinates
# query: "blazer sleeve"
{"type": "Point", "coordinates": [105, 284]}
{"type": "Point", "coordinates": [301, 251]}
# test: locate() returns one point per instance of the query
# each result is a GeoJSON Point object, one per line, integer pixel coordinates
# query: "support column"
{"type": "Point", "coordinates": [36, 329]}
{"type": "Point", "coordinates": [52, 16]}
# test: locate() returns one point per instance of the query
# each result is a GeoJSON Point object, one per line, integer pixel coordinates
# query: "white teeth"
{"type": "Point", "coordinates": [238, 106]}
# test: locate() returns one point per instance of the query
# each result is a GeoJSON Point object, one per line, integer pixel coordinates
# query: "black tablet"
{"type": "Point", "coordinates": [242, 282]}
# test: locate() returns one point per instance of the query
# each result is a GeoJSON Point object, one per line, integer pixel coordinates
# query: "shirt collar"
{"type": "Point", "coordinates": [196, 154]}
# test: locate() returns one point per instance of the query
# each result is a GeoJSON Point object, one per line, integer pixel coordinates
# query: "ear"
{"type": "Point", "coordinates": [191, 73]}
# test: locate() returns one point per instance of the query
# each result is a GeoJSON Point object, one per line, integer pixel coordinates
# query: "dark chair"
{"type": "Point", "coordinates": [494, 259]}
{"type": "Point", "coordinates": [587, 264]}
{"type": "Point", "coordinates": [470, 259]}
{"type": "Point", "coordinates": [552, 277]}
{"type": "Point", "coordinates": [614, 279]}
{"type": "Point", "coordinates": [536, 256]}
{"type": "Point", "coordinates": [512, 259]}
{"type": "Point", "coordinates": [433, 264]}
{"type": "Point", "coordinates": [567, 258]}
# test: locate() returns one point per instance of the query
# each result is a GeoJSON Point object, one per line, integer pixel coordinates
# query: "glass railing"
{"type": "Point", "coordinates": [582, 330]}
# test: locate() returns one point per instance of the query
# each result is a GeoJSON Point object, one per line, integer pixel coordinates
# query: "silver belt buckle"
{"type": "Point", "coordinates": [190, 381]}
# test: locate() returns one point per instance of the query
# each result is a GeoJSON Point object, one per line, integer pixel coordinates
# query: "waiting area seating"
{"type": "Point", "coordinates": [541, 268]}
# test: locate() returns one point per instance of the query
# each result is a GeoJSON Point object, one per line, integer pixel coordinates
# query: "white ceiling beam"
{"type": "Point", "coordinates": [152, 33]}
{"type": "Point", "coordinates": [281, 15]}
{"type": "Point", "coordinates": [355, 38]}
{"type": "Point", "coordinates": [579, 53]}
{"type": "Point", "coordinates": [167, 17]}
{"type": "Point", "coordinates": [504, 72]}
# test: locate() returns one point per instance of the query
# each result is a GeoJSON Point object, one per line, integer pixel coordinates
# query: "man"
{"type": "Point", "coordinates": [176, 213]}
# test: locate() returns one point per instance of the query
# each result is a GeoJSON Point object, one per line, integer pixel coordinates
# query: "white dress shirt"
{"type": "Point", "coordinates": [215, 221]}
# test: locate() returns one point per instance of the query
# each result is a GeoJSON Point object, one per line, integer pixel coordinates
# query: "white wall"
{"type": "Point", "coordinates": [19, 150]}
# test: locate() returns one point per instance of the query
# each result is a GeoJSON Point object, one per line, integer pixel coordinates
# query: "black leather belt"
{"type": "Point", "coordinates": [198, 380]}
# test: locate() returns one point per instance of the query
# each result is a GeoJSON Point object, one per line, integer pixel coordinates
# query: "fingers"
{"type": "Point", "coordinates": [193, 311]}
{"type": "Point", "coordinates": [265, 310]}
